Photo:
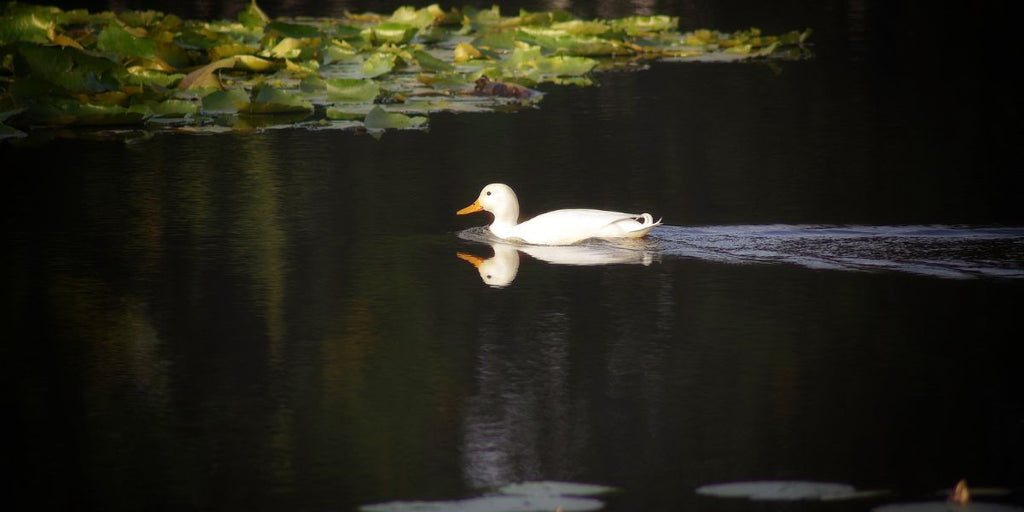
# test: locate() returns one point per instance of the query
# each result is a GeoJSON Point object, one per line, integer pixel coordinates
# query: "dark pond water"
{"type": "Point", "coordinates": [281, 320]}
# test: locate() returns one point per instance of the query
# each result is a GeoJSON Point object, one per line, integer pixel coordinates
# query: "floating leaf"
{"type": "Point", "coordinates": [464, 52]}
{"type": "Point", "coordinates": [296, 30]}
{"type": "Point", "coordinates": [396, 33]}
{"type": "Point", "coordinates": [378, 64]}
{"type": "Point", "coordinates": [379, 119]}
{"type": "Point", "coordinates": [174, 108]}
{"type": "Point", "coordinates": [556, 489]}
{"type": "Point", "coordinates": [351, 89]}
{"type": "Point", "coordinates": [428, 61]}
{"type": "Point", "coordinates": [418, 18]}
{"type": "Point", "coordinates": [115, 39]}
{"type": "Point", "coordinates": [28, 25]}
{"type": "Point", "coordinates": [252, 16]}
{"type": "Point", "coordinates": [785, 490]}
{"type": "Point", "coordinates": [51, 59]}
{"type": "Point", "coordinates": [271, 100]}
{"type": "Point", "coordinates": [7, 132]}
{"type": "Point", "coordinates": [946, 506]}
{"type": "Point", "coordinates": [638, 25]}
{"type": "Point", "coordinates": [205, 76]}
{"type": "Point", "coordinates": [228, 101]}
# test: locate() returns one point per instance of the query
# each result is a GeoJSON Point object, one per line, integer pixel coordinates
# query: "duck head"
{"type": "Point", "coordinates": [500, 200]}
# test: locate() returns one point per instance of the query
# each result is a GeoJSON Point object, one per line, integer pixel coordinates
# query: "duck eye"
{"type": "Point", "coordinates": [488, 192]}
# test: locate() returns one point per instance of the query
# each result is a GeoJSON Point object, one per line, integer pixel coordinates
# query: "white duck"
{"type": "Point", "coordinates": [559, 227]}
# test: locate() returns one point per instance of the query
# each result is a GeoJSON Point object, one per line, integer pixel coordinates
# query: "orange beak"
{"type": "Point", "coordinates": [475, 207]}
{"type": "Point", "coordinates": [475, 260]}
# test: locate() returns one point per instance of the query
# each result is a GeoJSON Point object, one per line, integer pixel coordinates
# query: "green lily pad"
{"type": "Point", "coordinates": [351, 89]}
{"type": "Point", "coordinates": [27, 25]}
{"type": "Point", "coordinates": [174, 108]}
{"type": "Point", "coordinates": [638, 25]}
{"type": "Point", "coordinates": [429, 62]}
{"type": "Point", "coordinates": [377, 64]}
{"type": "Point", "coordinates": [390, 32]}
{"type": "Point", "coordinates": [252, 16]}
{"type": "Point", "coordinates": [227, 101]}
{"type": "Point", "coordinates": [271, 100]}
{"type": "Point", "coordinates": [379, 119]}
{"type": "Point", "coordinates": [115, 39]}
{"type": "Point", "coordinates": [420, 59]}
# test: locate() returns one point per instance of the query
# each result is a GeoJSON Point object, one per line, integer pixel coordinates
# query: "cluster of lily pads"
{"type": "Point", "coordinates": [150, 71]}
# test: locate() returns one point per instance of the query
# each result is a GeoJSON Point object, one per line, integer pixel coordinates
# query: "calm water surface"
{"type": "Point", "coordinates": [282, 320]}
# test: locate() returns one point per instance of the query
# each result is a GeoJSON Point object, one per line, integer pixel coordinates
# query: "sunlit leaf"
{"type": "Point", "coordinates": [377, 64]}
{"type": "Point", "coordinates": [580, 27]}
{"type": "Point", "coordinates": [295, 48]}
{"type": "Point", "coordinates": [205, 77]}
{"type": "Point", "coordinates": [638, 25]}
{"type": "Point", "coordinates": [350, 89]}
{"type": "Point", "coordinates": [391, 32]}
{"type": "Point", "coordinates": [419, 18]}
{"type": "Point", "coordinates": [464, 52]}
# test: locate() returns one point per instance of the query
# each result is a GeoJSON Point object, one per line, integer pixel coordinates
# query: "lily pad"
{"type": "Point", "coordinates": [947, 506]}
{"type": "Point", "coordinates": [271, 100]}
{"type": "Point", "coordinates": [54, 59]}
{"type": "Point", "coordinates": [521, 497]}
{"type": "Point", "coordinates": [228, 101]}
{"type": "Point", "coordinates": [116, 39]}
{"type": "Point", "coordinates": [378, 64]}
{"type": "Point", "coordinates": [555, 489]}
{"type": "Point", "coordinates": [351, 89]}
{"type": "Point", "coordinates": [782, 490]}
{"type": "Point", "coordinates": [490, 504]}
{"type": "Point", "coordinates": [379, 119]}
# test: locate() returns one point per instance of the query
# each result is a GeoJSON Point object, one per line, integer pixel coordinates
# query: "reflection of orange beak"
{"type": "Point", "coordinates": [475, 260]}
{"type": "Point", "coordinates": [475, 207]}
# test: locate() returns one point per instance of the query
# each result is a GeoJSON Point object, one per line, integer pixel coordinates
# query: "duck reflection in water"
{"type": "Point", "coordinates": [500, 270]}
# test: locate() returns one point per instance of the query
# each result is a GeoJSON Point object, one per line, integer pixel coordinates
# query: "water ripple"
{"type": "Point", "coordinates": [939, 251]}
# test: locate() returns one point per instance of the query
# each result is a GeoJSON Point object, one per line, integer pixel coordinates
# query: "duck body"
{"type": "Point", "coordinates": [559, 227]}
